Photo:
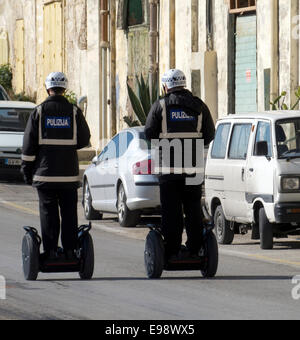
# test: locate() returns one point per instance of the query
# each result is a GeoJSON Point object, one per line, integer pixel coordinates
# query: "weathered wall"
{"type": "Point", "coordinates": [82, 52]}
{"type": "Point", "coordinates": [10, 11]}
{"type": "Point", "coordinates": [220, 13]}
{"type": "Point", "coordinates": [121, 79]}
{"type": "Point", "coordinates": [92, 71]}
{"type": "Point", "coordinates": [263, 48]}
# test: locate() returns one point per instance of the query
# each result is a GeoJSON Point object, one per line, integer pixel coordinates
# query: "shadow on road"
{"type": "Point", "coordinates": [186, 278]}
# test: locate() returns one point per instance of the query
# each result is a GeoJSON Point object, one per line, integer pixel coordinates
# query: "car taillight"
{"type": "Point", "coordinates": [143, 168]}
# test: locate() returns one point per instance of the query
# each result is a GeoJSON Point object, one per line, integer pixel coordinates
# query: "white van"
{"type": "Point", "coordinates": [252, 178]}
{"type": "Point", "coordinates": [13, 119]}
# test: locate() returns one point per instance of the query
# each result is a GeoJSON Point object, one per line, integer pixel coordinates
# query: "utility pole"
{"type": "Point", "coordinates": [104, 45]}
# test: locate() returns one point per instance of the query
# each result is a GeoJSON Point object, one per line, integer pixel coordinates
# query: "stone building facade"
{"type": "Point", "coordinates": [238, 55]}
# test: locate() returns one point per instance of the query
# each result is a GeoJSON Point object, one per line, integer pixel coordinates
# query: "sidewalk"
{"type": "Point", "coordinates": [82, 168]}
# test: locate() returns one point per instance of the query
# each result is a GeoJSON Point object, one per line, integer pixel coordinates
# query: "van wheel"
{"type": "Point", "coordinates": [265, 230]}
{"type": "Point", "coordinates": [224, 233]}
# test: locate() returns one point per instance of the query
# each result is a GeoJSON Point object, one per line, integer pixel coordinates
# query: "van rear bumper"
{"type": "Point", "coordinates": [287, 212]}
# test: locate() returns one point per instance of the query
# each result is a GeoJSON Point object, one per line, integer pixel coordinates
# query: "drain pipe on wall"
{"type": "Point", "coordinates": [274, 50]}
{"type": "Point", "coordinates": [172, 34]}
{"type": "Point", "coordinates": [104, 45]}
{"type": "Point", "coordinates": [113, 57]}
{"type": "Point", "coordinates": [153, 37]}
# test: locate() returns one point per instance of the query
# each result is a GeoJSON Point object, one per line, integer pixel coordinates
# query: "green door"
{"type": "Point", "coordinates": [245, 65]}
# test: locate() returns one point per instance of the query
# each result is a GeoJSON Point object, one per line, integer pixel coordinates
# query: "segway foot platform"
{"type": "Point", "coordinates": [34, 262]}
{"type": "Point", "coordinates": [187, 264]}
{"type": "Point", "coordinates": [59, 264]}
{"type": "Point", "coordinates": [156, 263]}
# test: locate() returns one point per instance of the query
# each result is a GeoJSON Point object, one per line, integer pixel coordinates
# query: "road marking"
{"type": "Point", "coordinates": [263, 258]}
{"type": "Point", "coordinates": [267, 258]}
{"type": "Point", "coordinates": [20, 207]}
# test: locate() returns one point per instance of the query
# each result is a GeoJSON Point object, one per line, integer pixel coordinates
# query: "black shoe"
{"type": "Point", "coordinates": [49, 257]}
{"type": "Point", "coordinates": [71, 255]}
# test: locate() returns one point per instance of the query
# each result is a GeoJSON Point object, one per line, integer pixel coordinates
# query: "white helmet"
{"type": "Point", "coordinates": [56, 79]}
{"type": "Point", "coordinates": [174, 78]}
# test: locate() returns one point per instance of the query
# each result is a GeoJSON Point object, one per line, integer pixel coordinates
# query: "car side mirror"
{"type": "Point", "coordinates": [262, 148]}
{"type": "Point", "coordinates": [95, 160]}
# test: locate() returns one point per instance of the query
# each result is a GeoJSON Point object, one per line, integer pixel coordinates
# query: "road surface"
{"type": "Point", "coordinates": [250, 284]}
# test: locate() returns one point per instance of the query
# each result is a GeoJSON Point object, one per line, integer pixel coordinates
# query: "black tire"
{"type": "Point", "coordinates": [224, 233]}
{"type": "Point", "coordinates": [154, 255]}
{"type": "Point", "coordinates": [265, 230]}
{"type": "Point", "coordinates": [126, 217]}
{"type": "Point", "coordinates": [88, 260]}
{"type": "Point", "coordinates": [30, 257]}
{"type": "Point", "coordinates": [212, 255]}
{"type": "Point", "coordinates": [89, 212]}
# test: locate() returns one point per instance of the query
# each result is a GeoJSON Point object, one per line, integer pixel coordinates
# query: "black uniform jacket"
{"type": "Point", "coordinates": [55, 131]}
{"type": "Point", "coordinates": [183, 113]}
{"type": "Point", "coordinates": [185, 101]}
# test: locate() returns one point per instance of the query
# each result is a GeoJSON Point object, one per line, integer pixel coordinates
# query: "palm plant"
{"type": "Point", "coordinates": [279, 102]}
{"type": "Point", "coordinates": [141, 102]}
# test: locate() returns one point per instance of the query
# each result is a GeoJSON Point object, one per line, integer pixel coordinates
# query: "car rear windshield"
{"type": "Point", "coordinates": [145, 143]}
{"type": "Point", "coordinates": [14, 120]}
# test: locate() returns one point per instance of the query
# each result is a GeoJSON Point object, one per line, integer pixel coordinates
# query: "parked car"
{"type": "Point", "coordinates": [252, 178]}
{"type": "Point", "coordinates": [3, 94]}
{"type": "Point", "coordinates": [119, 180]}
{"type": "Point", "coordinates": [13, 119]}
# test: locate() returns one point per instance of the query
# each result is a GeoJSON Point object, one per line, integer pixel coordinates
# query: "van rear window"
{"type": "Point", "coordinates": [220, 142]}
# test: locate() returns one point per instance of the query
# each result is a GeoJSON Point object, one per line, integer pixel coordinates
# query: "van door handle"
{"type": "Point", "coordinates": [243, 174]}
{"type": "Point", "coordinates": [251, 170]}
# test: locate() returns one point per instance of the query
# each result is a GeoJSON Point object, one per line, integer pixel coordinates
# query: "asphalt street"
{"type": "Point", "coordinates": [249, 284]}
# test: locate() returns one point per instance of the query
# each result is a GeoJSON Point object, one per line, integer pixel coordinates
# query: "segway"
{"type": "Point", "coordinates": [35, 262]}
{"type": "Point", "coordinates": [156, 263]}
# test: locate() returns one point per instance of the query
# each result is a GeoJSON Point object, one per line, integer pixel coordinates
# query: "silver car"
{"type": "Point", "coordinates": [120, 180]}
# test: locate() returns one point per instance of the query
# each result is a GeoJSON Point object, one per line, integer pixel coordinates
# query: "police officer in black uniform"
{"type": "Point", "coordinates": [54, 132]}
{"type": "Point", "coordinates": [180, 115]}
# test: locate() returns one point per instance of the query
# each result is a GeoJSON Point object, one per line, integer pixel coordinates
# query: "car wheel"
{"type": "Point", "coordinates": [89, 212]}
{"type": "Point", "coordinates": [265, 230]}
{"type": "Point", "coordinates": [127, 218]}
{"type": "Point", "coordinates": [224, 233]}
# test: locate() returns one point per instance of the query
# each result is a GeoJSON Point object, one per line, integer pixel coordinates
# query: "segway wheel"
{"type": "Point", "coordinates": [154, 255]}
{"type": "Point", "coordinates": [211, 255]}
{"type": "Point", "coordinates": [30, 257]}
{"type": "Point", "coordinates": [87, 264]}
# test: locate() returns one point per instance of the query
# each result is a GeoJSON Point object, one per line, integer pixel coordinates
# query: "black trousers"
{"type": "Point", "coordinates": [56, 203]}
{"type": "Point", "coordinates": [179, 200]}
